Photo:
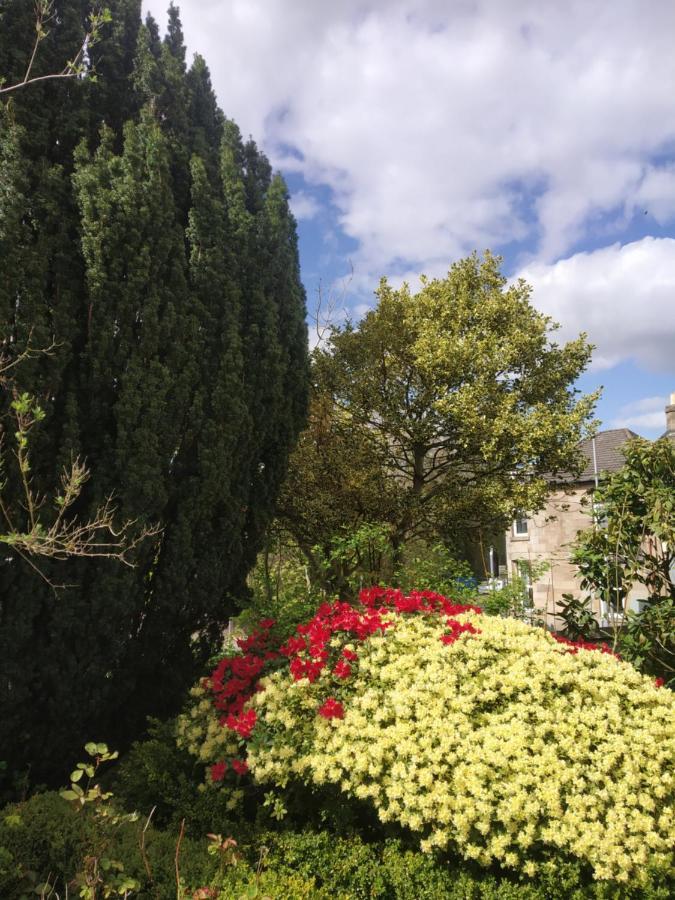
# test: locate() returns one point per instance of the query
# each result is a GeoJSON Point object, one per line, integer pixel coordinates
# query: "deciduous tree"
{"type": "Point", "coordinates": [466, 399]}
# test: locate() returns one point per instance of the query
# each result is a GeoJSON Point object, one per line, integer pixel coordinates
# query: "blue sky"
{"type": "Point", "coordinates": [411, 133]}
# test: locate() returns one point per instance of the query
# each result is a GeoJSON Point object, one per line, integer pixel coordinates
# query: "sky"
{"type": "Point", "coordinates": [412, 133]}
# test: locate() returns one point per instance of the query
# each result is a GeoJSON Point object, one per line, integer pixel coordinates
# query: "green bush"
{"type": "Point", "coordinates": [47, 836]}
{"type": "Point", "coordinates": [157, 773]}
{"type": "Point", "coordinates": [318, 865]}
{"type": "Point", "coordinates": [433, 567]}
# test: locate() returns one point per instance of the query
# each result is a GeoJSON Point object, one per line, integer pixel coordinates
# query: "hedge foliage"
{"type": "Point", "coordinates": [45, 835]}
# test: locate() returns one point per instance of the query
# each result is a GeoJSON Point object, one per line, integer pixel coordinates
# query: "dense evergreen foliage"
{"type": "Point", "coordinates": [154, 249]}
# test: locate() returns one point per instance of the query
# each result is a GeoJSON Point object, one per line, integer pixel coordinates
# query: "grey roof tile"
{"type": "Point", "coordinates": [607, 451]}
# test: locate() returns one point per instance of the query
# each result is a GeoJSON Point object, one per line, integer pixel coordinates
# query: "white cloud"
{"type": "Point", "coordinates": [655, 195]}
{"type": "Point", "coordinates": [304, 206]}
{"type": "Point", "coordinates": [623, 296]}
{"type": "Point", "coordinates": [642, 415]}
{"type": "Point", "coordinates": [432, 121]}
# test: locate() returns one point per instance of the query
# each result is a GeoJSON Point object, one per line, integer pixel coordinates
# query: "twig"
{"type": "Point", "coordinates": [180, 839]}
{"type": "Point", "coordinates": [144, 854]}
{"type": "Point", "coordinates": [73, 68]}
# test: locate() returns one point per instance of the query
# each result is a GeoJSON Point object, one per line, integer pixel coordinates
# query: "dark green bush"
{"type": "Point", "coordinates": [348, 867]}
{"type": "Point", "coordinates": [156, 773]}
{"type": "Point", "coordinates": [46, 836]}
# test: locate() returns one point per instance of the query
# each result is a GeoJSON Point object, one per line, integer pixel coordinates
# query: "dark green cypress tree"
{"type": "Point", "coordinates": [110, 101]}
{"type": "Point", "coordinates": [161, 259]}
{"type": "Point", "coordinates": [174, 40]}
{"type": "Point", "coordinates": [155, 39]}
{"type": "Point", "coordinates": [206, 119]}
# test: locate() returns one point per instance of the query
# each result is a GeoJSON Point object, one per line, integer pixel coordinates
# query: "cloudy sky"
{"type": "Point", "coordinates": [414, 131]}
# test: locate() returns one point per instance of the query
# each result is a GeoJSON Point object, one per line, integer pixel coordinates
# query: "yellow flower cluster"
{"type": "Point", "coordinates": [200, 733]}
{"type": "Point", "coordinates": [501, 745]}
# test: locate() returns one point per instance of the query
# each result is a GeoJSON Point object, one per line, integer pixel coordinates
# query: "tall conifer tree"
{"type": "Point", "coordinates": [157, 252]}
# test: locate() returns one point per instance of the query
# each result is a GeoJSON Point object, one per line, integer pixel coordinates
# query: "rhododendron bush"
{"type": "Point", "coordinates": [484, 736]}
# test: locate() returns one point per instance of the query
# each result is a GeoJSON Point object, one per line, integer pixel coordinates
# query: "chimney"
{"type": "Point", "coordinates": [670, 418]}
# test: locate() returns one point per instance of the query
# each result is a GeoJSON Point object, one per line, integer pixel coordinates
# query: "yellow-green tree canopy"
{"type": "Point", "coordinates": [469, 401]}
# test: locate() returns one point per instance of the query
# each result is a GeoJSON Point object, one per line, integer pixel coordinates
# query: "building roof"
{"type": "Point", "coordinates": [608, 456]}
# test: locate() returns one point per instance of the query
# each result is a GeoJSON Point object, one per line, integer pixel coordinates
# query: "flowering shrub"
{"type": "Point", "coordinates": [483, 735]}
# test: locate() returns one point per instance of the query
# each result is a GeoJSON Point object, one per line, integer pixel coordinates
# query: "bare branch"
{"type": "Point", "coordinates": [27, 529]}
{"type": "Point", "coordinates": [324, 322]}
{"type": "Point", "coordinates": [76, 67]}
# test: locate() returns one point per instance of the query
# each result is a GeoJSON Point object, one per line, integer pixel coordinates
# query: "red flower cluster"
{"type": "Point", "coordinates": [457, 629]}
{"type": "Point", "coordinates": [235, 679]}
{"type": "Point", "coordinates": [240, 766]}
{"type": "Point", "coordinates": [342, 669]}
{"type": "Point", "coordinates": [575, 646]}
{"type": "Point", "coordinates": [218, 770]}
{"type": "Point", "coordinates": [423, 602]}
{"type": "Point", "coordinates": [308, 649]}
{"type": "Point", "coordinates": [415, 601]}
{"type": "Point", "coordinates": [243, 723]}
{"type": "Point", "coordinates": [332, 709]}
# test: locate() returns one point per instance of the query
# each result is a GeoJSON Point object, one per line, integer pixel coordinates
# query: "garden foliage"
{"type": "Point", "coordinates": [44, 836]}
{"type": "Point", "coordinates": [632, 547]}
{"type": "Point", "coordinates": [480, 735]}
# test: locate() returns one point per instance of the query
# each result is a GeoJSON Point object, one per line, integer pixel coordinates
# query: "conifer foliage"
{"type": "Point", "coordinates": [154, 251]}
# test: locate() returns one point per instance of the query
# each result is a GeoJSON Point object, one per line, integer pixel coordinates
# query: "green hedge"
{"type": "Point", "coordinates": [45, 835]}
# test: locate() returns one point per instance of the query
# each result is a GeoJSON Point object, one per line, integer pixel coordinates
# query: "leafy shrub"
{"type": "Point", "coordinates": [481, 735]}
{"type": "Point", "coordinates": [434, 567]}
{"type": "Point", "coordinates": [47, 836]}
{"type": "Point", "coordinates": [279, 586]}
{"type": "Point", "coordinates": [648, 639]}
{"type": "Point", "coordinates": [157, 773]}
{"type": "Point", "coordinates": [291, 865]}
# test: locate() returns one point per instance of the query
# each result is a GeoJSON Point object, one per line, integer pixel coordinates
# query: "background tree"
{"type": "Point", "coordinates": [633, 543]}
{"type": "Point", "coordinates": [468, 406]}
{"type": "Point", "coordinates": [336, 485]}
{"type": "Point", "coordinates": [154, 251]}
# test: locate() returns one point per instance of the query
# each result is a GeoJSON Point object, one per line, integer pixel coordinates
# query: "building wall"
{"type": "Point", "coordinates": [551, 533]}
{"type": "Point", "coordinates": [550, 536]}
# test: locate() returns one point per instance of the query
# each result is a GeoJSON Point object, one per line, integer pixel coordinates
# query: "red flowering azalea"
{"type": "Point", "coordinates": [243, 723]}
{"type": "Point", "coordinates": [240, 766]}
{"type": "Point", "coordinates": [332, 709]}
{"type": "Point", "coordinates": [293, 645]}
{"type": "Point", "coordinates": [575, 646]}
{"type": "Point", "coordinates": [218, 771]}
{"type": "Point", "coordinates": [456, 630]}
{"type": "Point", "coordinates": [342, 669]}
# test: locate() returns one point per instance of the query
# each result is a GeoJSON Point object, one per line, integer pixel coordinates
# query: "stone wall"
{"type": "Point", "coordinates": [550, 534]}
{"type": "Point", "coordinates": [549, 538]}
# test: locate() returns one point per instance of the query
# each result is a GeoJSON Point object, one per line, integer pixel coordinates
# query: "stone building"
{"type": "Point", "coordinates": [547, 536]}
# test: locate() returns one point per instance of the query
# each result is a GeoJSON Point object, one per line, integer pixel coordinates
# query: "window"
{"type": "Point", "coordinates": [599, 514]}
{"type": "Point", "coordinates": [520, 527]}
